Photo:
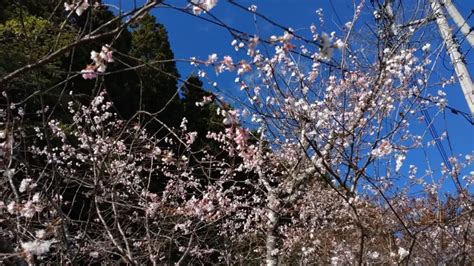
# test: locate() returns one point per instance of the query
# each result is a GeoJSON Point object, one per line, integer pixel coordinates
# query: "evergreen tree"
{"type": "Point", "coordinates": [200, 118]}
{"type": "Point", "coordinates": [153, 86]}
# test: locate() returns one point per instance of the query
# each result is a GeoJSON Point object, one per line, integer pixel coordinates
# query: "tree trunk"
{"type": "Point", "coordinates": [272, 223]}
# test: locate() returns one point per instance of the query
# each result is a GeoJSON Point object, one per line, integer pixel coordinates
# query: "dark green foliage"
{"type": "Point", "coordinates": [154, 85]}
{"type": "Point", "coordinates": [201, 119]}
{"type": "Point", "coordinates": [48, 9]}
{"type": "Point", "coordinates": [24, 39]}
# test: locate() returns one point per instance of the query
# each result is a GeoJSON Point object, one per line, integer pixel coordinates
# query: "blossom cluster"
{"type": "Point", "coordinates": [200, 6]}
{"type": "Point", "coordinates": [78, 6]}
{"type": "Point", "coordinates": [100, 61]}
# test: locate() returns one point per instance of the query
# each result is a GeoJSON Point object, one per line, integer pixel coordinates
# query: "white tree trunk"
{"type": "Point", "coordinates": [271, 238]}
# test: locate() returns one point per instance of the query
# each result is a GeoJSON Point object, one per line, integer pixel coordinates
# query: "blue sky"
{"type": "Point", "coordinates": [191, 36]}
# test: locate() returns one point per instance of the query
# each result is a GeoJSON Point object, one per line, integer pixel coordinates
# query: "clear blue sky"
{"type": "Point", "coordinates": [191, 36]}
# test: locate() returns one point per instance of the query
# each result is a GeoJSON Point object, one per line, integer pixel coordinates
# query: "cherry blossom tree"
{"type": "Point", "coordinates": [334, 119]}
{"type": "Point", "coordinates": [314, 163]}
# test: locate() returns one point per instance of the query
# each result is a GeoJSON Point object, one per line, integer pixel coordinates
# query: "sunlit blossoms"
{"type": "Point", "coordinates": [385, 148]}
{"type": "Point", "coordinates": [100, 61]}
{"type": "Point", "coordinates": [426, 48]}
{"type": "Point", "coordinates": [78, 6]}
{"type": "Point", "coordinates": [199, 6]}
{"type": "Point", "coordinates": [37, 247]}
